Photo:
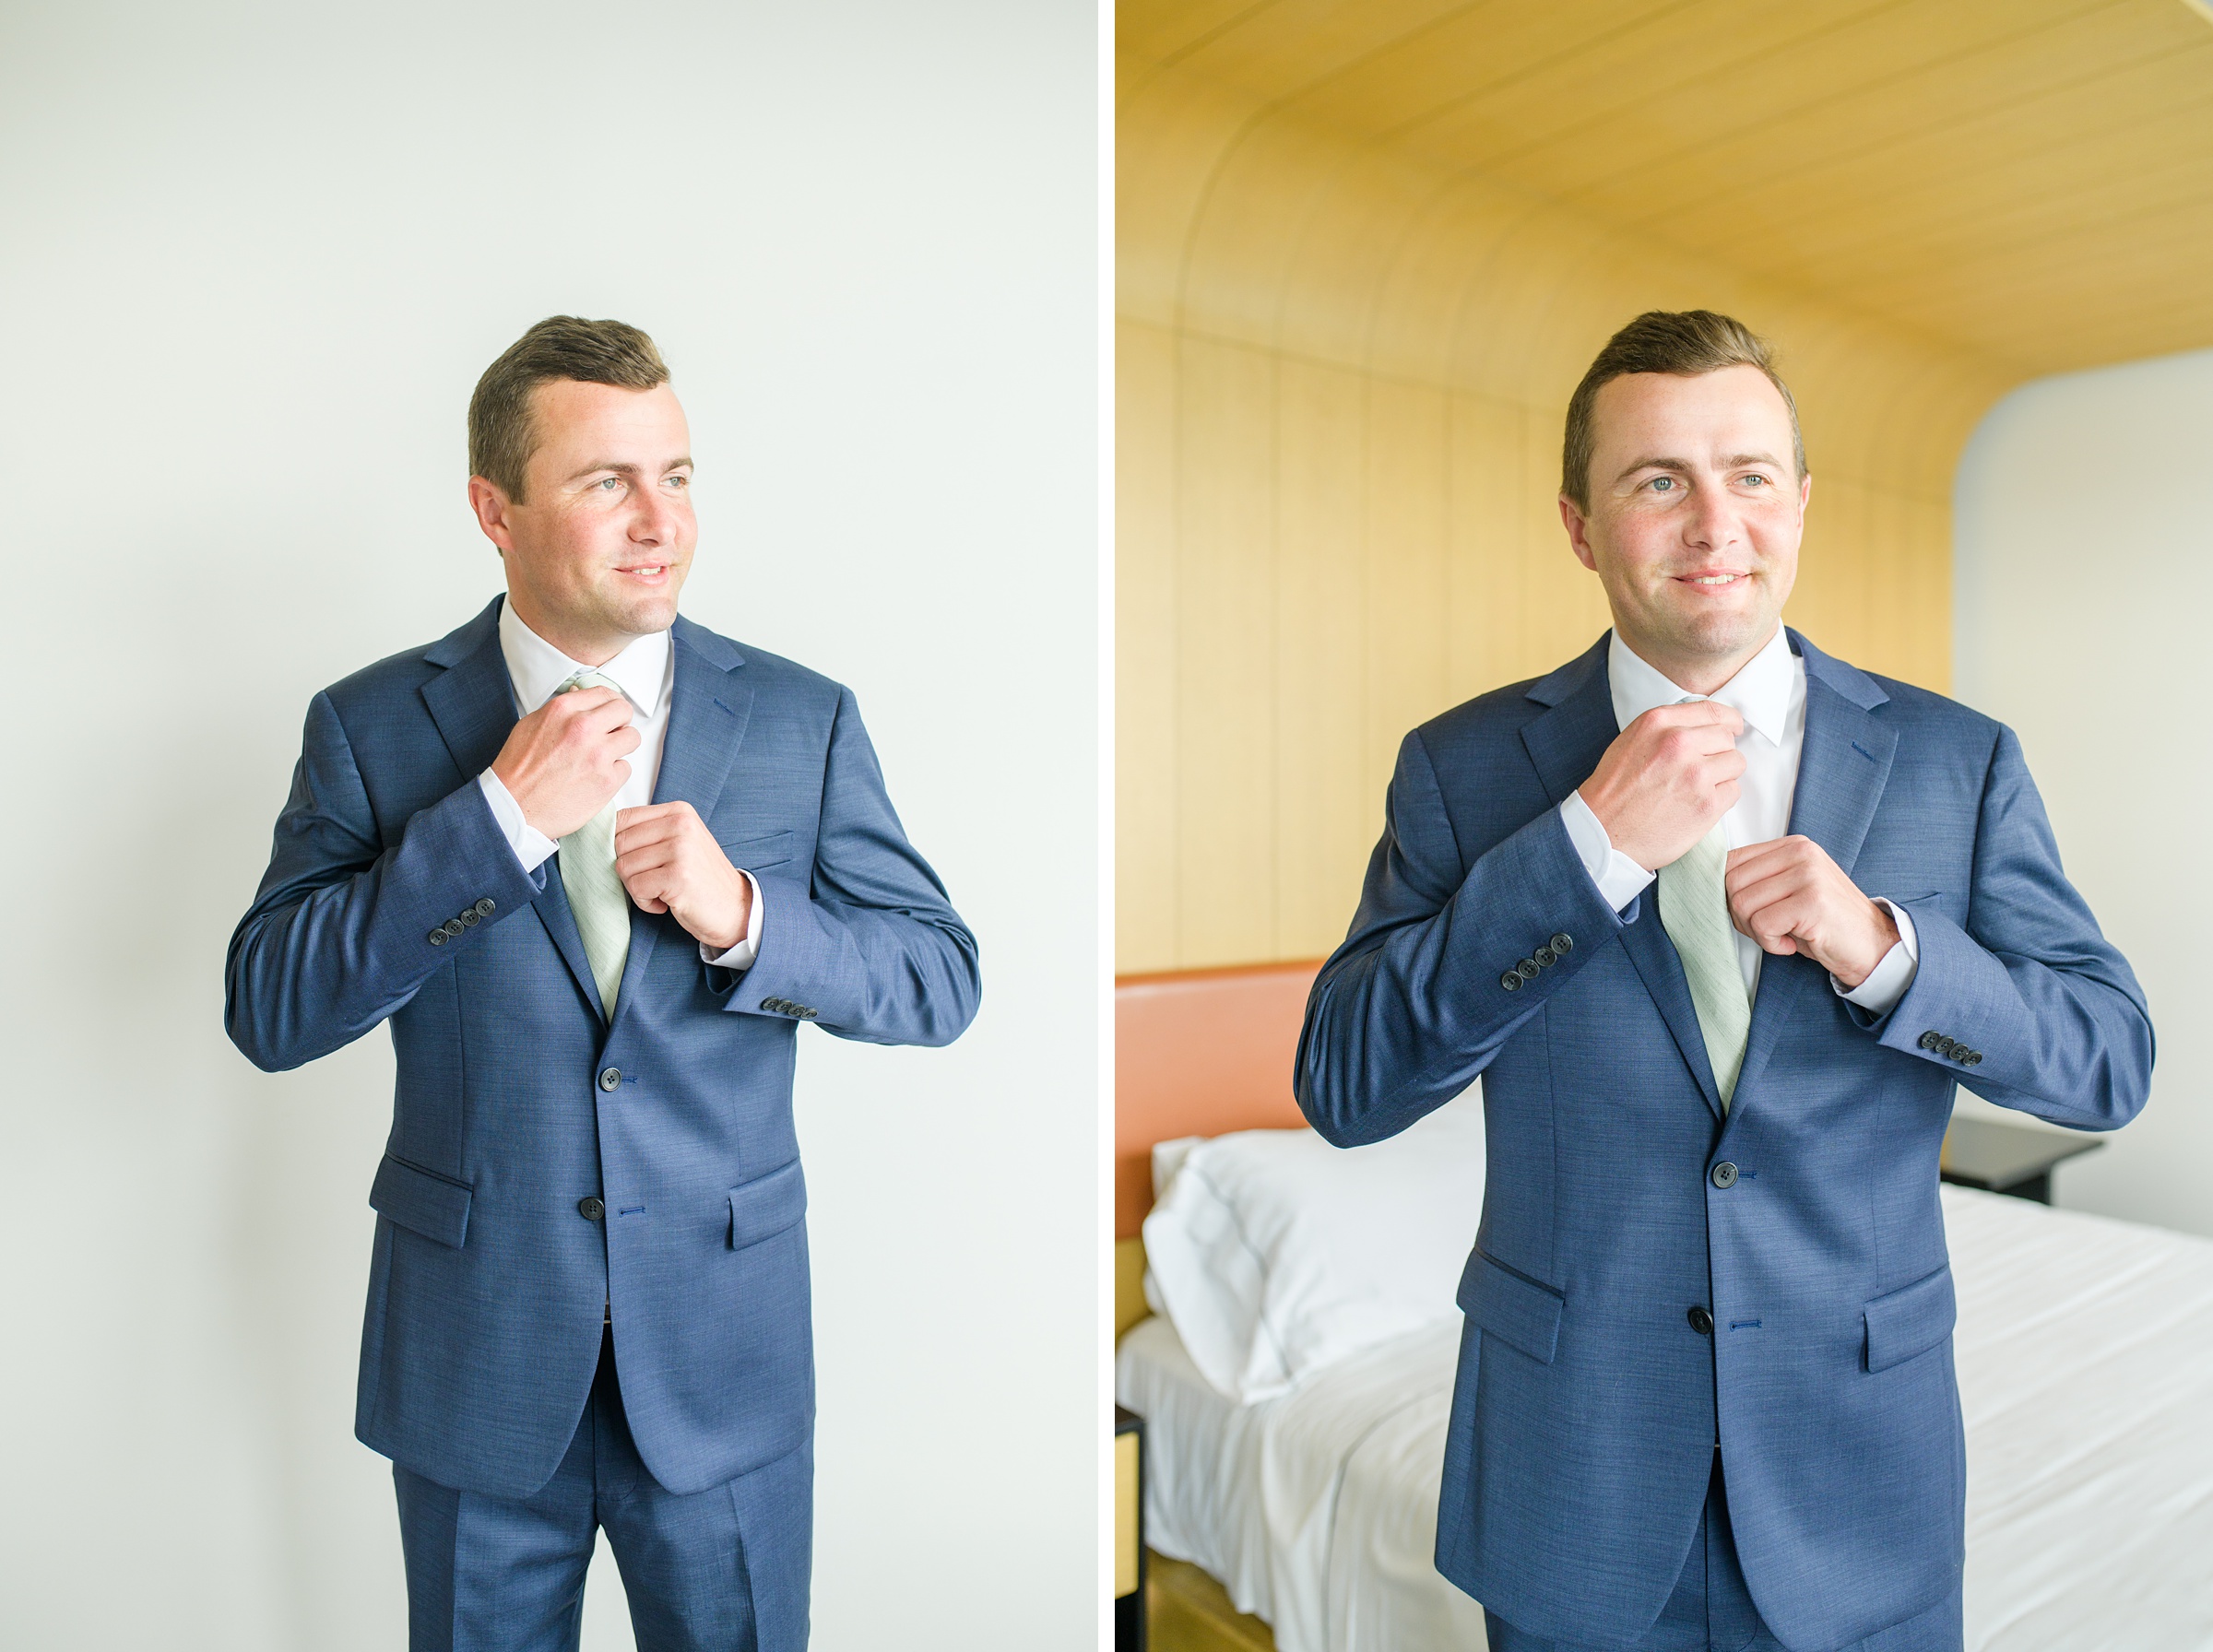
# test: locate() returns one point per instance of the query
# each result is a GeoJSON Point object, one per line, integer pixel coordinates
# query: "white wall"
{"type": "Point", "coordinates": [254, 257]}
{"type": "Point", "coordinates": [2083, 603]}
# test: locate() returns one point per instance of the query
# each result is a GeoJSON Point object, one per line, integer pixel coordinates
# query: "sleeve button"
{"type": "Point", "coordinates": [1528, 968]}
{"type": "Point", "coordinates": [487, 906]}
{"type": "Point", "coordinates": [1563, 943]}
{"type": "Point", "coordinates": [437, 936]}
{"type": "Point", "coordinates": [1511, 981]}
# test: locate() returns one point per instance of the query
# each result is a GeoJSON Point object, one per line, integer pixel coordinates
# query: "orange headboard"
{"type": "Point", "coordinates": [1197, 1052]}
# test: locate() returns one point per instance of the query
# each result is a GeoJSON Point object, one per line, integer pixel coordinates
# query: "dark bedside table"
{"type": "Point", "coordinates": [2000, 1159]}
{"type": "Point", "coordinates": [1129, 1531]}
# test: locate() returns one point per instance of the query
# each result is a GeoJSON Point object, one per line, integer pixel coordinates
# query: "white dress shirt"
{"type": "Point", "coordinates": [1769, 692]}
{"type": "Point", "coordinates": [646, 672]}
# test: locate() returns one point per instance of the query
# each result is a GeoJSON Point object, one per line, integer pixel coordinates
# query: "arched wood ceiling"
{"type": "Point", "coordinates": [2030, 181]}
{"type": "Point", "coordinates": [1366, 249]}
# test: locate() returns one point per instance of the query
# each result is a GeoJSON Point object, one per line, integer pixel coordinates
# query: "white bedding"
{"type": "Point", "coordinates": [2085, 1351]}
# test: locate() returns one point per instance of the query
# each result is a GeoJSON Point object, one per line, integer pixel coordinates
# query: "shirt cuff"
{"type": "Point", "coordinates": [1886, 983]}
{"type": "Point", "coordinates": [741, 957]}
{"type": "Point", "coordinates": [1619, 879]}
{"type": "Point", "coordinates": [531, 846]}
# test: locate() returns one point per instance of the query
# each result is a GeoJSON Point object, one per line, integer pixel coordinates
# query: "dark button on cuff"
{"type": "Point", "coordinates": [487, 906]}
{"type": "Point", "coordinates": [1724, 1174]}
{"type": "Point", "coordinates": [1700, 1321]}
{"type": "Point", "coordinates": [590, 1209]}
{"type": "Point", "coordinates": [455, 927]}
{"type": "Point", "coordinates": [470, 919]}
{"type": "Point", "coordinates": [804, 1013]}
{"type": "Point", "coordinates": [609, 1077]}
{"type": "Point", "coordinates": [1528, 968]}
{"type": "Point", "coordinates": [1929, 1039]}
{"type": "Point", "coordinates": [1972, 1058]}
{"type": "Point", "coordinates": [437, 938]}
{"type": "Point", "coordinates": [1545, 956]}
{"type": "Point", "coordinates": [1563, 943]}
{"type": "Point", "coordinates": [1511, 981]}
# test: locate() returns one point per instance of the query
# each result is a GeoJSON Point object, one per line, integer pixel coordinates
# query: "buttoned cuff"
{"type": "Point", "coordinates": [1618, 879]}
{"type": "Point", "coordinates": [531, 846]}
{"type": "Point", "coordinates": [1886, 983]}
{"type": "Point", "coordinates": [741, 957]}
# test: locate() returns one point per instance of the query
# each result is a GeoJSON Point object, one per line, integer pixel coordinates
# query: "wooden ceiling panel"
{"type": "Point", "coordinates": [2027, 179]}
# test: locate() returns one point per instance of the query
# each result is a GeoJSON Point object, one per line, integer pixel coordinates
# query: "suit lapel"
{"type": "Point", "coordinates": [472, 701]}
{"type": "Point", "coordinates": [1566, 744]}
{"type": "Point", "coordinates": [709, 707]}
{"type": "Point", "coordinates": [1842, 769]}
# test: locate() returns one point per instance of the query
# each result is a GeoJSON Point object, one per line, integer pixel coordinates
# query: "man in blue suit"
{"type": "Point", "coordinates": [588, 1298]}
{"type": "Point", "coordinates": [1722, 922]}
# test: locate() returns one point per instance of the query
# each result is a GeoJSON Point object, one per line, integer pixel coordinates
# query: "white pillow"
{"type": "Point", "coordinates": [1274, 1253]}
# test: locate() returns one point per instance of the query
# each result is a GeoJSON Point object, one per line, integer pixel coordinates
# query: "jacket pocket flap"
{"type": "Point", "coordinates": [765, 1206]}
{"type": "Point", "coordinates": [1910, 1321]}
{"type": "Point", "coordinates": [420, 1202]}
{"type": "Point", "coordinates": [750, 854]}
{"type": "Point", "coordinates": [1517, 1311]}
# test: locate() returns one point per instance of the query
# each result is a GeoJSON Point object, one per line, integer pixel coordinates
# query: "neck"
{"type": "Point", "coordinates": [586, 643]}
{"type": "Point", "coordinates": [1694, 673]}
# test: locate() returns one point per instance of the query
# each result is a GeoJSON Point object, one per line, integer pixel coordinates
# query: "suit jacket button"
{"type": "Point", "coordinates": [590, 1209]}
{"type": "Point", "coordinates": [774, 1006]}
{"type": "Point", "coordinates": [1545, 956]}
{"type": "Point", "coordinates": [1724, 1174]}
{"type": "Point", "coordinates": [487, 906]}
{"type": "Point", "coordinates": [455, 927]}
{"type": "Point", "coordinates": [470, 919]}
{"type": "Point", "coordinates": [1928, 1039]}
{"type": "Point", "coordinates": [1528, 967]}
{"type": "Point", "coordinates": [806, 1012]}
{"type": "Point", "coordinates": [1563, 943]}
{"type": "Point", "coordinates": [609, 1077]}
{"type": "Point", "coordinates": [1701, 1322]}
{"type": "Point", "coordinates": [437, 938]}
{"type": "Point", "coordinates": [1511, 981]}
{"type": "Point", "coordinates": [1972, 1058]}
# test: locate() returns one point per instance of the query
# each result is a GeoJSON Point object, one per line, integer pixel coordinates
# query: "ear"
{"type": "Point", "coordinates": [491, 504]}
{"type": "Point", "coordinates": [1579, 532]}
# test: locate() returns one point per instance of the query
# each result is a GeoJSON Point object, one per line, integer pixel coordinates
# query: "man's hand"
{"type": "Point", "coordinates": [1667, 779]}
{"type": "Point", "coordinates": [1790, 897]}
{"type": "Point", "coordinates": [565, 760]}
{"type": "Point", "coordinates": [669, 862]}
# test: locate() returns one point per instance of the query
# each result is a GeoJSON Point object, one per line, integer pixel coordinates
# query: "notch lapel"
{"type": "Point", "coordinates": [1842, 770]}
{"type": "Point", "coordinates": [708, 709]}
{"type": "Point", "coordinates": [1564, 745]}
{"type": "Point", "coordinates": [472, 702]}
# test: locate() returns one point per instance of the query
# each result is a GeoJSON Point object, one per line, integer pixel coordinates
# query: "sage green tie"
{"type": "Point", "coordinates": [596, 895]}
{"type": "Point", "coordinates": [1694, 908]}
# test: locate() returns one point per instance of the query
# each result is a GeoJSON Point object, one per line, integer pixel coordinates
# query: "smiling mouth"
{"type": "Point", "coordinates": [1712, 581]}
{"type": "Point", "coordinates": [646, 571]}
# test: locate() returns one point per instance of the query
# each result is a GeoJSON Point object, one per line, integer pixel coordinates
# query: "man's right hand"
{"type": "Point", "coordinates": [565, 760]}
{"type": "Point", "coordinates": [1667, 779]}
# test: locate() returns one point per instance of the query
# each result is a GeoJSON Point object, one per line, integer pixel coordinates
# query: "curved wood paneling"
{"type": "Point", "coordinates": [1342, 371]}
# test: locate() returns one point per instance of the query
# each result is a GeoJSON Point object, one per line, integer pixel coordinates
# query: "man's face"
{"type": "Point", "coordinates": [600, 550]}
{"type": "Point", "coordinates": [1695, 512]}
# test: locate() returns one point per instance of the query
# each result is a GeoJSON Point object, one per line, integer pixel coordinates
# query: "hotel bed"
{"type": "Point", "coordinates": [2085, 1354]}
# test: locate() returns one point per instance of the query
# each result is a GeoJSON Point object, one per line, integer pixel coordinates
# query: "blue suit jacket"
{"type": "Point", "coordinates": [515, 1100]}
{"type": "Point", "coordinates": [1588, 1407]}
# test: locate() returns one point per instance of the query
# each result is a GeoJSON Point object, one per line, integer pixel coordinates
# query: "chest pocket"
{"type": "Point", "coordinates": [758, 854]}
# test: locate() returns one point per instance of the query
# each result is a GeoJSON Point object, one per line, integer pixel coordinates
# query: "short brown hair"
{"type": "Point", "coordinates": [502, 433]}
{"type": "Point", "coordinates": [1686, 343]}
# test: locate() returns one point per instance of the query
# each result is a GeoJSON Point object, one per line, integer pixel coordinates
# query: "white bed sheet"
{"type": "Point", "coordinates": [2085, 1349]}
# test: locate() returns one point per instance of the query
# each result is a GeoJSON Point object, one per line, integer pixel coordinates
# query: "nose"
{"type": "Point", "coordinates": [1712, 521]}
{"type": "Point", "coordinates": [655, 523]}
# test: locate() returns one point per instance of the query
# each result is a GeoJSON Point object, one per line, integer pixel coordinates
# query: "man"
{"type": "Point", "coordinates": [588, 1300]}
{"type": "Point", "coordinates": [1721, 921]}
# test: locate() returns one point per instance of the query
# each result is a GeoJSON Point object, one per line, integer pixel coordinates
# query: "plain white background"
{"type": "Point", "coordinates": [2083, 576]}
{"type": "Point", "coordinates": [255, 258]}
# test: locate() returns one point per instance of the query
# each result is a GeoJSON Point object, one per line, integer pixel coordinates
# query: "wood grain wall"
{"type": "Point", "coordinates": [1341, 379]}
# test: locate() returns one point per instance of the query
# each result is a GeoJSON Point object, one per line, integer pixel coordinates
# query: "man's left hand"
{"type": "Point", "coordinates": [1790, 897]}
{"type": "Point", "coordinates": [669, 862]}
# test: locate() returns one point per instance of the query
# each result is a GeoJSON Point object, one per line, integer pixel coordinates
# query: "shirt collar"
{"type": "Point", "coordinates": [1761, 691]}
{"type": "Point", "coordinates": [536, 667]}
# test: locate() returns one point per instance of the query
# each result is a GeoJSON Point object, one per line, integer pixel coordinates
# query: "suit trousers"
{"type": "Point", "coordinates": [1711, 1609]}
{"type": "Point", "coordinates": [506, 1575]}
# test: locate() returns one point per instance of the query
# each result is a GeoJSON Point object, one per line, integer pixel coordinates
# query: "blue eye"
{"type": "Point", "coordinates": [1755, 481]}
{"type": "Point", "coordinates": [1663, 484]}
{"type": "Point", "coordinates": [609, 483]}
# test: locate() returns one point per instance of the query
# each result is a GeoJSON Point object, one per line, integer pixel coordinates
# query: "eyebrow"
{"type": "Point", "coordinates": [1684, 467]}
{"type": "Point", "coordinates": [621, 468]}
